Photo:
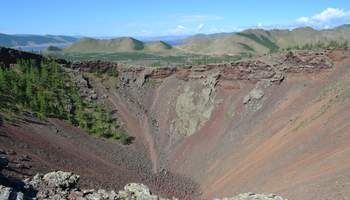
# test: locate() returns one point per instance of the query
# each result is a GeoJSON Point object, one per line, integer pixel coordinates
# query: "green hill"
{"type": "Point", "coordinates": [118, 45]}
{"type": "Point", "coordinates": [53, 48]}
{"type": "Point", "coordinates": [158, 46]}
{"type": "Point", "coordinates": [259, 41]}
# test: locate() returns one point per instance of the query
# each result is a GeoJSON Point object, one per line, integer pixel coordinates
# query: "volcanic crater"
{"type": "Point", "coordinates": [276, 124]}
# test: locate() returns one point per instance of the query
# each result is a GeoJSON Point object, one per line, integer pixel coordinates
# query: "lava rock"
{"type": "Point", "coordinates": [5, 192]}
{"type": "Point", "coordinates": [253, 196]}
{"type": "Point", "coordinates": [61, 179]}
{"type": "Point", "coordinates": [3, 162]}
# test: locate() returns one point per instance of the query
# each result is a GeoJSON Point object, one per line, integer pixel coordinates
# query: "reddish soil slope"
{"type": "Point", "coordinates": [223, 129]}
{"type": "Point", "coordinates": [56, 145]}
{"type": "Point", "coordinates": [296, 145]}
{"type": "Point", "coordinates": [294, 141]}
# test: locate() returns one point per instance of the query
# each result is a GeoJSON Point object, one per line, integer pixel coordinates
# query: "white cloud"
{"type": "Point", "coordinates": [330, 17]}
{"type": "Point", "coordinates": [329, 14]}
{"type": "Point", "coordinates": [178, 30]}
{"type": "Point", "coordinates": [200, 27]}
{"type": "Point", "coordinates": [180, 27]}
{"type": "Point", "coordinates": [193, 24]}
{"type": "Point", "coordinates": [303, 20]}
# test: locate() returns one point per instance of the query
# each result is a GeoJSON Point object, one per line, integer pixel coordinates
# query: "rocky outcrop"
{"type": "Point", "coordinates": [253, 196]}
{"type": "Point", "coordinates": [305, 61]}
{"type": "Point", "coordinates": [82, 82]}
{"type": "Point", "coordinates": [255, 94]}
{"type": "Point", "coordinates": [138, 191]}
{"type": "Point", "coordinates": [150, 73]}
{"type": "Point", "coordinates": [250, 70]}
{"type": "Point", "coordinates": [195, 105]}
{"type": "Point", "coordinates": [3, 162]}
{"type": "Point", "coordinates": [95, 66]}
{"type": "Point", "coordinates": [61, 179]}
{"type": "Point", "coordinates": [5, 192]}
{"type": "Point", "coordinates": [61, 185]}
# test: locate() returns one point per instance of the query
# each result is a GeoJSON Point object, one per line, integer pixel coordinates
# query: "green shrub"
{"type": "Point", "coordinates": [125, 139]}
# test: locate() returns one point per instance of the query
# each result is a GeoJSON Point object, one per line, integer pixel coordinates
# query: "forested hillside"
{"type": "Point", "coordinates": [44, 90]}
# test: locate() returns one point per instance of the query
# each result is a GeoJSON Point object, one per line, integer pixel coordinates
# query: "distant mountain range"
{"type": "Point", "coordinates": [28, 42]}
{"type": "Point", "coordinates": [171, 39]}
{"type": "Point", "coordinates": [258, 41]}
{"type": "Point", "coordinates": [251, 41]}
{"type": "Point", "coordinates": [122, 44]}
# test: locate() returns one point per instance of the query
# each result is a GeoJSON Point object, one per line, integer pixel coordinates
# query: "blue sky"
{"type": "Point", "coordinates": [165, 17]}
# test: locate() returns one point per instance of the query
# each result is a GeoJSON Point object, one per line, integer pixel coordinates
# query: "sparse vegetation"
{"type": "Point", "coordinates": [152, 60]}
{"type": "Point", "coordinates": [247, 47]}
{"type": "Point", "coordinates": [53, 48]}
{"type": "Point", "coordinates": [320, 45]}
{"type": "Point", "coordinates": [264, 41]}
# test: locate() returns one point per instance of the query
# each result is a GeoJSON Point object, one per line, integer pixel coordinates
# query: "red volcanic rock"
{"type": "Point", "coordinates": [94, 66]}
{"type": "Point", "coordinates": [306, 61]}
{"type": "Point", "coordinates": [204, 68]}
{"type": "Point", "coordinates": [137, 69]}
{"type": "Point", "coordinates": [182, 74]}
{"type": "Point", "coordinates": [248, 70]}
{"type": "Point", "coordinates": [161, 73]}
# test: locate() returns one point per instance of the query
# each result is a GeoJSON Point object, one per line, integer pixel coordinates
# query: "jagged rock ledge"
{"type": "Point", "coordinates": [249, 70]}
{"type": "Point", "coordinates": [61, 185]}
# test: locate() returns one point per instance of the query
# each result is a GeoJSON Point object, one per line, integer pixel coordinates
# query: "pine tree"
{"type": "Point", "coordinates": [29, 89]}
{"type": "Point", "coordinates": [15, 90]}
{"type": "Point", "coordinates": [2, 79]}
{"type": "Point", "coordinates": [42, 103]}
{"type": "Point", "coordinates": [44, 74]}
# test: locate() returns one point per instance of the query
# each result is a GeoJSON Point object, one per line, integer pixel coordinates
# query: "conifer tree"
{"type": "Point", "coordinates": [2, 79]}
